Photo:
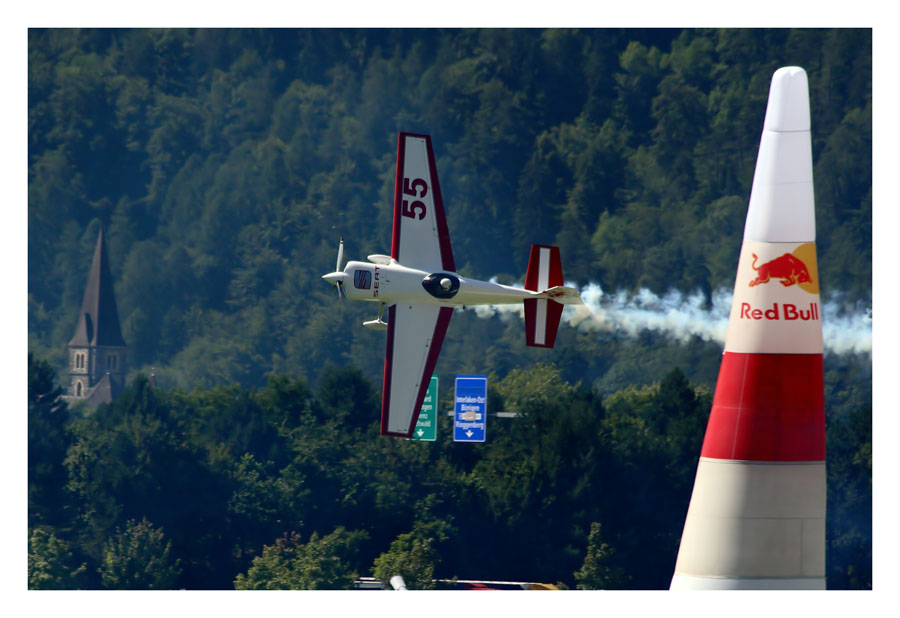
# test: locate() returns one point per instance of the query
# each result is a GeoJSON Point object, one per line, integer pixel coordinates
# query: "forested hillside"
{"type": "Point", "coordinates": [290, 486]}
{"type": "Point", "coordinates": [224, 166]}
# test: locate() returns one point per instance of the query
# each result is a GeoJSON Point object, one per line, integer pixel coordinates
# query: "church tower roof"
{"type": "Point", "coordinates": [98, 322]}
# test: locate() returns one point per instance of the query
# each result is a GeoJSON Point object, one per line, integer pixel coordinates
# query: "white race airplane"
{"type": "Point", "coordinates": [418, 285]}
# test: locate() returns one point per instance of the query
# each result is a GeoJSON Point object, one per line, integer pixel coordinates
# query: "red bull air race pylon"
{"type": "Point", "coordinates": [757, 514]}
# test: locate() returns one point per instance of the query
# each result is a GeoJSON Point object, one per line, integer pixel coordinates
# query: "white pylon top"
{"type": "Point", "coordinates": [781, 200]}
{"type": "Point", "coordinates": [788, 108]}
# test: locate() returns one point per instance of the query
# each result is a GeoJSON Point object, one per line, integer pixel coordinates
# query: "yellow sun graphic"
{"type": "Point", "coordinates": [807, 254]}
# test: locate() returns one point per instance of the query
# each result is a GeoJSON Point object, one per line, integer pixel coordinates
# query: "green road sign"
{"type": "Point", "coordinates": [426, 426]}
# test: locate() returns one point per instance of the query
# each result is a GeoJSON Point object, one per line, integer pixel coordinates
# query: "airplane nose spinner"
{"type": "Point", "coordinates": [334, 278]}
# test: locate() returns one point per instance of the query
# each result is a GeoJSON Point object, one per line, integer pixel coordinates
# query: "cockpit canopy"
{"type": "Point", "coordinates": [441, 285]}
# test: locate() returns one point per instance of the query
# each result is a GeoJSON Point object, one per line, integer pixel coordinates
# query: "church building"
{"type": "Point", "coordinates": [97, 350]}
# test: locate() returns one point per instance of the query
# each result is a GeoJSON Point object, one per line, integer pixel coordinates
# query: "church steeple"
{"type": "Point", "coordinates": [98, 323]}
{"type": "Point", "coordinates": [97, 350]}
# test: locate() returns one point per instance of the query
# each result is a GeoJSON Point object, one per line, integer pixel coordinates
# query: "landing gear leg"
{"type": "Point", "coordinates": [377, 324]}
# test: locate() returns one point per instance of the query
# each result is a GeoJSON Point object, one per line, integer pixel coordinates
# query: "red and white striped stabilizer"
{"type": "Point", "coordinates": [542, 315]}
{"type": "Point", "coordinates": [757, 514]}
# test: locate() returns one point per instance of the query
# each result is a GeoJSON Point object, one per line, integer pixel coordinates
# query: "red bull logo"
{"type": "Point", "coordinates": [788, 268]}
{"type": "Point", "coordinates": [794, 270]}
{"type": "Point", "coordinates": [785, 316]}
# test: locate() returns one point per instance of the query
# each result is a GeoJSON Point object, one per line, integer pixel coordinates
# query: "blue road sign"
{"type": "Point", "coordinates": [470, 409]}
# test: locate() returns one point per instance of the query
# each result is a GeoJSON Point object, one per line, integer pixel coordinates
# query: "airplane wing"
{"type": "Point", "coordinates": [420, 237]}
{"type": "Point", "coordinates": [414, 337]}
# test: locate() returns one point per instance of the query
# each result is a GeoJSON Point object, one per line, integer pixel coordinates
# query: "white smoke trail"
{"type": "Point", "coordinates": [846, 333]}
{"type": "Point", "coordinates": [682, 316]}
{"type": "Point", "coordinates": [675, 315]}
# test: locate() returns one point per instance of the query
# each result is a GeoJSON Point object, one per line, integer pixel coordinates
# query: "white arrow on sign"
{"type": "Point", "coordinates": [469, 433]}
{"type": "Point", "coordinates": [420, 432]}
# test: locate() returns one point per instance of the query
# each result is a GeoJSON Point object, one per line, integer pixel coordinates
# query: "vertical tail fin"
{"type": "Point", "coordinates": [542, 315]}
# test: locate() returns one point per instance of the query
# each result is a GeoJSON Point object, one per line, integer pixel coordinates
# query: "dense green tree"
{"type": "Point", "coordinates": [48, 440]}
{"type": "Point", "coordinates": [680, 113]}
{"type": "Point", "coordinates": [599, 571]}
{"type": "Point", "coordinates": [134, 459]}
{"type": "Point", "coordinates": [412, 555]}
{"type": "Point", "coordinates": [51, 563]}
{"type": "Point", "coordinates": [264, 502]}
{"type": "Point", "coordinates": [640, 68]}
{"type": "Point", "coordinates": [654, 435]}
{"type": "Point", "coordinates": [849, 520]}
{"type": "Point", "coordinates": [346, 396]}
{"type": "Point", "coordinates": [543, 481]}
{"type": "Point", "coordinates": [139, 558]}
{"type": "Point", "coordinates": [322, 563]}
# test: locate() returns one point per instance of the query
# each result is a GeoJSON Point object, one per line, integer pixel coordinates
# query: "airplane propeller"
{"type": "Point", "coordinates": [337, 277]}
{"type": "Point", "coordinates": [339, 267]}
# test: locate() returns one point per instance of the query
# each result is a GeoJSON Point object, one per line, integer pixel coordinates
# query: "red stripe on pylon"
{"type": "Point", "coordinates": [768, 407]}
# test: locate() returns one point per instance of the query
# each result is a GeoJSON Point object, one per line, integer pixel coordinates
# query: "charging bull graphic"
{"type": "Point", "coordinates": [789, 268]}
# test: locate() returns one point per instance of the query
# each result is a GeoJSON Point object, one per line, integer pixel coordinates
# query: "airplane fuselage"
{"type": "Point", "coordinates": [390, 282]}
